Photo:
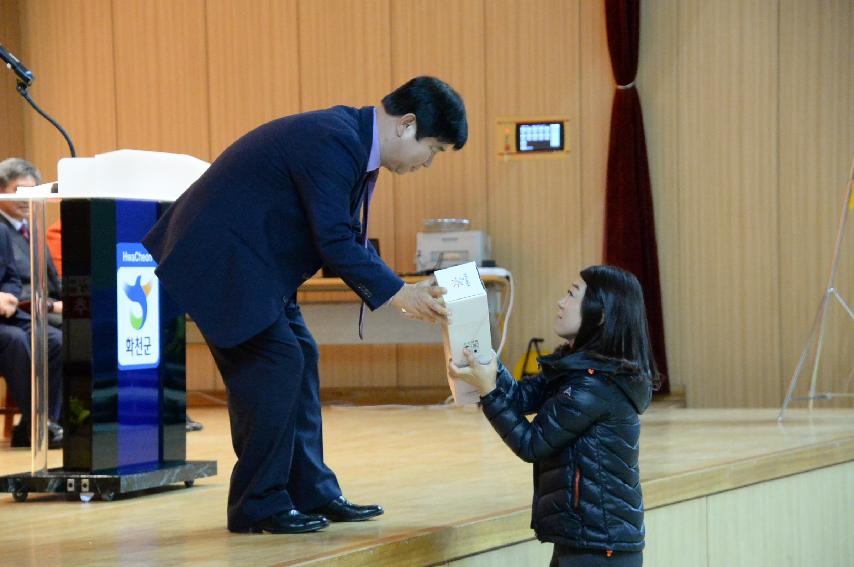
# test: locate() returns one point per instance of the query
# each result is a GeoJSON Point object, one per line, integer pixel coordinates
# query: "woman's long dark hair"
{"type": "Point", "coordinates": [613, 319]}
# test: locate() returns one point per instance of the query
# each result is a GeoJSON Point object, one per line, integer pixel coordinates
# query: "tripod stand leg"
{"type": "Point", "coordinates": [844, 305]}
{"type": "Point", "coordinates": [829, 290]}
{"type": "Point", "coordinates": [807, 347]}
{"type": "Point", "coordinates": [818, 349]}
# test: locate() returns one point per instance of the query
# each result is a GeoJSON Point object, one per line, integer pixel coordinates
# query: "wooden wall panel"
{"type": "Point", "coordinates": [658, 86]}
{"type": "Point", "coordinates": [435, 38]}
{"type": "Point", "coordinates": [531, 552]}
{"type": "Point", "coordinates": [593, 129]}
{"type": "Point", "coordinates": [421, 366]}
{"type": "Point", "coordinates": [727, 181]}
{"type": "Point", "coordinates": [368, 366]}
{"type": "Point", "coordinates": [11, 103]}
{"type": "Point", "coordinates": [676, 534]}
{"type": "Point", "coordinates": [803, 519]}
{"type": "Point", "coordinates": [161, 87]}
{"type": "Point", "coordinates": [816, 151]}
{"type": "Point", "coordinates": [749, 152]}
{"type": "Point", "coordinates": [345, 54]}
{"type": "Point", "coordinates": [69, 48]}
{"type": "Point", "coordinates": [201, 369]}
{"type": "Point", "coordinates": [253, 66]}
{"type": "Point", "coordinates": [534, 213]}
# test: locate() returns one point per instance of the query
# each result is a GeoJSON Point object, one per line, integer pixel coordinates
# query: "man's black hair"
{"type": "Point", "coordinates": [439, 110]}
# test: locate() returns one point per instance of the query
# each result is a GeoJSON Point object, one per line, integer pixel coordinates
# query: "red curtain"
{"type": "Point", "coordinates": [629, 218]}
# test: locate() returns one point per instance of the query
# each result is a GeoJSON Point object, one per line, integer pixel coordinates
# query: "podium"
{"type": "Point", "coordinates": [124, 378]}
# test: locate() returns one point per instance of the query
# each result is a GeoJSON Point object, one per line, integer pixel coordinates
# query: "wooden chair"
{"type": "Point", "coordinates": [8, 410]}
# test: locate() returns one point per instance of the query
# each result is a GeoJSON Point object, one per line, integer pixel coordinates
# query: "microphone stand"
{"type": "Point", "coordinates": [22, 89]}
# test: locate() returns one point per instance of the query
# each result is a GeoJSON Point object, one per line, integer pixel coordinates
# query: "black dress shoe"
{"type": "Point", "coordinates": [193, 425]}
{"type": "Point", "coordinates": [55, 430]}
{"type": "Point", "coordinates": [290, 522]}
{"type": "Point", "coordinates": [21, 435]}
{"type": "Point", "coordinates": [342, 510]}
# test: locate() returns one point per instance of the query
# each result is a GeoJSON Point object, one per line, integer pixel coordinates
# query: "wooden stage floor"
{"type": "Point", "coordinates": [449, 485]}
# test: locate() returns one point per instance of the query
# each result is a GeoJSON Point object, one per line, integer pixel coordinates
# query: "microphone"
{"type": "Point", "coordinates": [13, 63]}
{"type": "Point", "coordinates": [25, 79]}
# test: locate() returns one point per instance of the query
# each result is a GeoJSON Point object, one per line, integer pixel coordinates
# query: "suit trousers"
{"type": "Point", "coordinates": [273, 388]}
{"type": "Point", "coordinates": [16, 360]}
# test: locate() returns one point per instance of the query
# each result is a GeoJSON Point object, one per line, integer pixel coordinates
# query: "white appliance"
{"type": "Point", "coordinates": [439, 250]}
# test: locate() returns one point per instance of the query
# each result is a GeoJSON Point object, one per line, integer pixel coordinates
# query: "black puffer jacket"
{"type": "Point", "coordinates": [584, 446]}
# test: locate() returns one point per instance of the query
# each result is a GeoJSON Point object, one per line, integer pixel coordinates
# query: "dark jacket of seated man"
{"type": "Point", "coordinates": [15, 351]}
{"type": "Point", "coordinates": [21, 250]}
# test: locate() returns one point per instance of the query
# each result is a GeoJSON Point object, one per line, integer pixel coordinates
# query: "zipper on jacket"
{"type": "Point", "coordinates": [576, 486]}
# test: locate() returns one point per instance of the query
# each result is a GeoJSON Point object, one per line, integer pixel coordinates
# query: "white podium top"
{"type": "Point", "coordinates": [122, 174]}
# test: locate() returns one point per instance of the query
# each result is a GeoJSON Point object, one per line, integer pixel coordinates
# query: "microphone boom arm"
{"type": "Point", "coordinates": [22, 88]}
{"type": "Point", "coordinates": [25, 79]}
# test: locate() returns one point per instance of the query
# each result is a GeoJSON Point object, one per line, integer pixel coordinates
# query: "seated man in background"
{"type": "Point", "coordinates": [14, 173]}
{"type": "Point", "coordinates": [16, 354]}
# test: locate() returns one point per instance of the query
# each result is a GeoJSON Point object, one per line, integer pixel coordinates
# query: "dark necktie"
{"type": "Point", "coordinates": [25, 232]}
{"type": "Point", "coordinates": [368, 185]}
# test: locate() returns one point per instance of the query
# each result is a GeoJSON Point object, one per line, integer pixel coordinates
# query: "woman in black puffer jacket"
{"type": "Point", "coordinates": [584, 439]}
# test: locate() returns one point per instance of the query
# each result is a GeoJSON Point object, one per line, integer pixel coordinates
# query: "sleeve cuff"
{"type": "Point", "coordinates": [492, 396]}
{"type": "Point", "coordinates": [387, 295]}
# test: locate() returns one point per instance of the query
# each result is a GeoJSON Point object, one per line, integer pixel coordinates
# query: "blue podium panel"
{"type": "Point", "coordinates": [124, 396]}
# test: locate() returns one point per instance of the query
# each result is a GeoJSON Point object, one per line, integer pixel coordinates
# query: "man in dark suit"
{"type": "Point", "coordinates": [15, 344]}
{"type": "Point", "coordinates": [13, 214]}
{"type": "Point", "coordinates": [284, 199]}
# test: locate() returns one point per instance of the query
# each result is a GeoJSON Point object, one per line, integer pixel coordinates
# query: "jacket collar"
{"type": "Point", "coordinates": [10, 222]}
{"type": "Point", "coordinates": [366, 132]}
{"type": "Point", "coordinates": [621, 373]}
{"type": "Point", "coordinates": [555, 366]}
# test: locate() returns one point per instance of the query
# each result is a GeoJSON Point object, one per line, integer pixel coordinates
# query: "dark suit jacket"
{"type": "Point", "coordinates": [21, 249]}
{"type": "Point", "coordinates": [10, 281]}
{"type": "Point", "coordinates": [276, 205]}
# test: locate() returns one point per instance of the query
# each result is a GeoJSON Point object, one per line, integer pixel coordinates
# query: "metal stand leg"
{"type": "Point", "coordinates": [819, 323]}
{"type": "Point", "coordinates": [38, 271]}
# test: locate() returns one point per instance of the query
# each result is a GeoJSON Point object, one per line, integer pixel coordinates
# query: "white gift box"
{"type": "Point", "coordinates": [469, 326]}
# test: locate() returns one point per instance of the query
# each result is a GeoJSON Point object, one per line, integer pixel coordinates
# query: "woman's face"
{"type": "Point", "coordinates": [568, 318]}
